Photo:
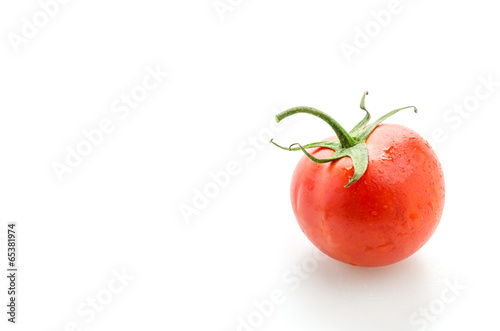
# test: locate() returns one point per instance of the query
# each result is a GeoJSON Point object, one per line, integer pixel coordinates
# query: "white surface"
{"type": "Point", "coordinates": [119, 209]}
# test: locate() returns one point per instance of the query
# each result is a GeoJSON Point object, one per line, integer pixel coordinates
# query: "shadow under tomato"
{"type": "Point", "coordinates": [338, 296]}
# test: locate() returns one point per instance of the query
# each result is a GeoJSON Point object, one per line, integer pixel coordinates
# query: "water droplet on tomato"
{"type": "Point", "coordinates": [387, 154]}
{"type": "Point", "coordinates": [385, 157]}
{"type": "Point", "coordinates": [388, 149]}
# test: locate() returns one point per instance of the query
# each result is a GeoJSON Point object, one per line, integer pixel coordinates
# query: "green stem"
{"type": "Point", "coordinates": [365, 120]}
{"type": "Point", "coordinates": [327, 144]}
{"type": "Point", "coordinates": [362, 103]}
{"type": "Point", "coordinates": [352, 144]}
{"type": "Point", "coordinates": [315, 159]}
{"type": "Point", "coordinates": [345, 139]}
{"type": "Point", "coordinates": [366, 132]}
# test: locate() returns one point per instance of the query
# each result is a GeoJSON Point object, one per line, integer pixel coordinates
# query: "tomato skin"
{"type": "Point", "coordinates": [384, 217]}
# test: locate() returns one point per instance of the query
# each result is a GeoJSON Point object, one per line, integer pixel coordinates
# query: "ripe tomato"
{"type": "Point", "coordinates": [385, 215]}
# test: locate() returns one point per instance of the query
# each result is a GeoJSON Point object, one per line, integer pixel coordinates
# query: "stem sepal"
{"type": "Point", "coordinates": [352, 144]}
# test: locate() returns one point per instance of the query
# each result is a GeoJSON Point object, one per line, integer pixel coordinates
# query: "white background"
{"type": "Point", "coordinates": [118, 210]}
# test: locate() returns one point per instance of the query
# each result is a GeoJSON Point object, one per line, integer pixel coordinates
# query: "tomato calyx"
{"type": "Point", "coordinates": [352, 144]}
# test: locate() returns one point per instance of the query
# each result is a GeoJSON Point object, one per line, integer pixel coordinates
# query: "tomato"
{"type": "Point", "coordinates": [385, 214]}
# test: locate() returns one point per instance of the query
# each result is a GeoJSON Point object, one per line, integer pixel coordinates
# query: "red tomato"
{"type": "Point", "coordinates": [375, 207]}
{"type": "Point", "coordinates": [383, 218]}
